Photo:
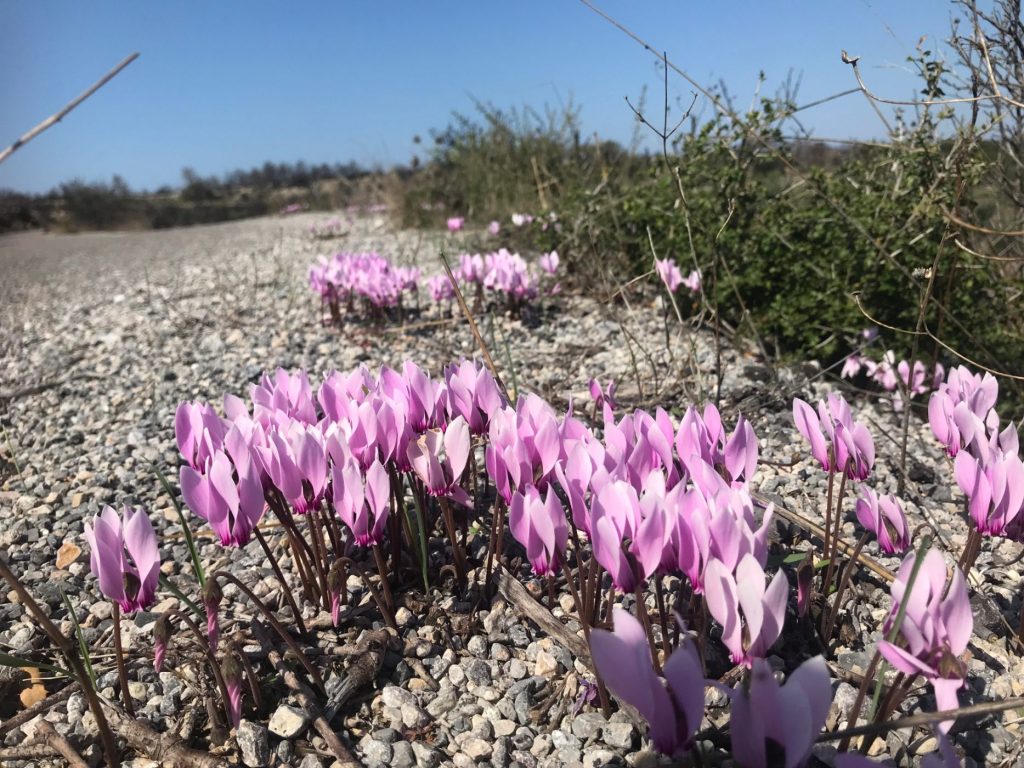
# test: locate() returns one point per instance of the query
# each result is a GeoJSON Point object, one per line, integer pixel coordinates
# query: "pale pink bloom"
{"type": "Point", "coordinates": [751, 615]}
{"type": "Point", "coordinates": [669, 273]}
{"type": "Point", "coordinates": [768, 718]}
{"type": "Point", "coordinates": [539, 525]}
{"type": "Point", "coordinates": [494, 228]}
{"type": "Point", "coordinates": [672, 703]}
{"type": "Point", "coordinates": [455, 223]}
{"type": "Point", "coordinates": [935, 629]}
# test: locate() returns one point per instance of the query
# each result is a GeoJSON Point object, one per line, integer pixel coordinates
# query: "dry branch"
{"type": "Point", "coordinates": [306, 697]}
{"type": "Point", "coordinates": [164, 748]}
{"type": "Point", "coordinates": [49, 736]}
{"type": "Point", "coordinates": [60, 115]}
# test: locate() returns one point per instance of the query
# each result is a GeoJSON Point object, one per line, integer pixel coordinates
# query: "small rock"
{"type": "Point", "coordinates": [426, 756]}
{"type": "Point", "coordinates": [476, 748]}
{"type": "Point", "coordinates": [254, 744]}
{"type": "Point", "coordinates": [414, 717]}
{"type": "Point", "coordinates": [619, 735]}
{"type": "Point", "coordinates": [477, 645]}
{"type": "Point", "coordinates": [376, 752]}
{"type": "Point", "coordinates": [402, 755]}
{"type": "Point", "coordinates": [393, 696]}
{"type": "Point", "coordinates": [600, 757]}
{"type": "Point", "coordinates": [546, 664]}
{"type": "Point", "coordinates": [587, 725]}
{"type": "Point", "coordinates": [288, 722]}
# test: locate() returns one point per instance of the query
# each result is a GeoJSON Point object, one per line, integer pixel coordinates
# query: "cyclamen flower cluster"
{"type": "Point", "coordinates": [987, 465]}
{"type": "Point", "coordinates": [500, 272]}
{"type": "Point", "coordinates": [767, 720]}
{"type": "Point", "coordinates": [895, 377]}
{"type": "Point", "coordinates": [346, 277]}
{"type": "Point", "coordinates": [670, 274]}
{"type": "Point", "coordinates": [652, 499]}
{"type": "Point", "coordinates": [324, 230]}
{"type": "Point", "coordinates": [845, 446]}
{"type": "Point", "coordinates": [335, 447]}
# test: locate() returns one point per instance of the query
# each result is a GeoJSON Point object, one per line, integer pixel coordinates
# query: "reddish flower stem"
{"type": "Point", "coordinates": [122, 673]}
{"type": "Point", "coordinates": [296, 614]}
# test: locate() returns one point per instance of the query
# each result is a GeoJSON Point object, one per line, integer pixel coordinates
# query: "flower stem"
{"type": "Point", "coordinates": [389, 618]}
{"type": "Point", "coordinates": [122, 673]}
{"type": "Point", "coordinates": [382, 569]}
{"type": "Point", "coordinates": [449, 523]}
{"type": "Point", "coordinates": [844, 580]}
{"type": "Point", "coordinates": [278, 627]}
{"type": "Point", "coordinates": [296, 614]}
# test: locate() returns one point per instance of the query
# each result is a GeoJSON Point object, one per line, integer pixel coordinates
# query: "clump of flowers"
{"type": "Point", "coordinates": [327, 230]}
{"type": "Point", "coordinates": [899, 378]}
{"type": "Point", "coordinates": [367, 279]}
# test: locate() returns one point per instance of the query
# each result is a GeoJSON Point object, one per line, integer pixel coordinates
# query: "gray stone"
{"type": "Point", "coordinates": [426, 756]}
{"type": "Point", "coordinates": [478, 671]}
{"type": "Point", "coordinates": [414, 717]}
{"type": "Point", "coordinates": [477, 645]}
{"type": "Point", "coordinates": [254, 744]}
{"type": "Point", "coordinates": [402, 755]}
{"type": "Point", "coordinates": [619, 735]}
{"type": "Point", "coordinates": [587, 725]}
{"type": "Point", "coordinates": [393, 696]}
{"type": "Point", "coordinates": [375, 753]}
{"type": "Point", "coordinates": [597, 758]}
{"type": "Point", "coordinates": [477, 748]}
{"type": "Point", "coordinates": [288, 722]}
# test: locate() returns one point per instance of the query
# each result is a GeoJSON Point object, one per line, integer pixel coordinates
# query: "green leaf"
{"type": "Point", "coordinates": [197, 565]}
{"type": "Point", "coordinates": [83, 647]}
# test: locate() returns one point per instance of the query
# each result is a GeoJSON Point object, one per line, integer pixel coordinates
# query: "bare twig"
{"type": "Point", "coordinates": [60, 115]}
{"type": "Point", "coordinates": [51, 738]}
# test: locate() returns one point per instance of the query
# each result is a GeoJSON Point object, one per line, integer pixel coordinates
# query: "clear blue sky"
{"type": "Point", "coordinates": [224, 85]}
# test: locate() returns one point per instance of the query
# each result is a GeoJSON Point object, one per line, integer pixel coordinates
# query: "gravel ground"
{"type": "Point", "coordinates": [101, 335]}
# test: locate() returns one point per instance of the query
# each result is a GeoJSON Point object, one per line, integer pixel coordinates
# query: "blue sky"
{"type": "Point", "coordinates": [224, 85]}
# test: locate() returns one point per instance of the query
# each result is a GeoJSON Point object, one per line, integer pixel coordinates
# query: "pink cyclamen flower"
{"type": "Point", "coordinates": [540, 526]}
{"type": "Point", "coordinates": [852, 366]}
{"type": "Point", "coordinates": [884, 517]}
{"type": "Point", "coordinates": [936, 627]}
{"type": "Point", "coordinates": [232, 507]}
{"type": "Point", "coordinates": [549, 262]}
{"type": "Point", "coordinates": [456, 223]}
{"type": "Point", "coordinates": [769, 719]}
{"type": "Point", "coordinates": [995, 492]}
{"type": "Point", "coordinates": [837, 441]}
{"type": "Point", "coordinates": [669, 273]}
{"type": "Point", "coordinates": [751, 615]}
{"type": "Point", "coordinates": [439, 458]}
{"type": "Point", "coordinates": [494, 228]}
{"type": "Point", "coordinates": [672, 704]}
{"type": "Point", "coordinates": [124, 558]}
{"type": "Point", "coordinates": [363, 506]}
{"type": "Point", "coordinates": [199, 431]}
{"type": "Point", "coordinates": [693, 281]}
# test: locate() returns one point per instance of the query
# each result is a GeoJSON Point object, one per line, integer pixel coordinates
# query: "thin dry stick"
{"type": "Point", "coordinates": [472, 325]}
{"type": "Point", "coordinates": [925, 718]}
{"type": "Point", "coordinates": [70, 653]}
{"type": "Point", "coordinates": [60, 115]}
{"type": "Point", "coordinates": [50, 737]}
{"type": "Point", "coordinates": [305, 697]}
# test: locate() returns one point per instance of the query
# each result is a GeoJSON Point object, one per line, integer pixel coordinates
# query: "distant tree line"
{"type": "Point", "coordinates": [80, 205]}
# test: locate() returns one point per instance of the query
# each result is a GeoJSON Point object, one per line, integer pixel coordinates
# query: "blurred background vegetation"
{"type": "Point", "coordinates": [803, 242]}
